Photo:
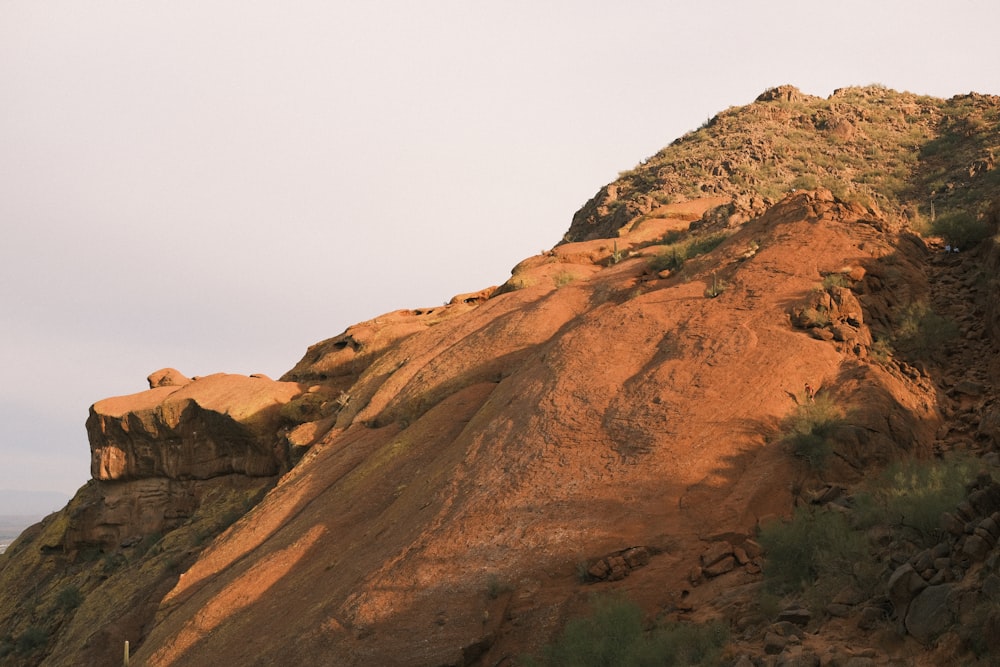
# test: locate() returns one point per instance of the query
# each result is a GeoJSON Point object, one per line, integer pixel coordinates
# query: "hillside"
{"type": "Point", "coordinates": [732, 343]}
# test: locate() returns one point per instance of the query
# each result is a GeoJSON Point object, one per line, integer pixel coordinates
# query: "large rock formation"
{"type": "Point", "coordinates": [451, 483]}
{"type": "Point", "coordinates": [216, 425]}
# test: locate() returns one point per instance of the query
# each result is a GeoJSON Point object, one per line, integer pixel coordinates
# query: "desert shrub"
{"type": "Point", "coordinates": [810, 429]}
{"type": "Point", "coordinates": [961, 230]}
{"type": "Point", "coordinates": [69, 598]}
{"type": "Point", "coordinates": [923, 332]}
{"type": "Point", "coordinates": [495, 587]}
{"type": "Point", "coordinates": [834, 280]}
{"type": "Point", "coordinates": [614, 635]}
{"type": "Point", "coordinates": [303, 408]}
{"type": "Point", "coordinates": [715, 288]}
{"type": "Point", "coordinates": [805, 182]}
{"type": "Point", "coordinates": [813, 545]}
{"type": "Point", "coordinates": [700, 246]}
{"type": "Point", "coordinates": [673, 236]}
{"type": "Point", "coordinates": [911, 495]}
{"type": "Point", "coordinates": [675, 254]}
{"type": "Point", "coordinates": [563, 278]}
{"type": "Point", "coordinates": [31, 639]}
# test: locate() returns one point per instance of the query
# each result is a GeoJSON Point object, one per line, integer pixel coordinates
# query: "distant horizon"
{"type": "Point", "coordinates": [31, 503]}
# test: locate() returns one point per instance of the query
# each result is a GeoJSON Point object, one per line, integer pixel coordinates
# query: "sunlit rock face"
{"type": "Point", "coordinates": [216, 425]}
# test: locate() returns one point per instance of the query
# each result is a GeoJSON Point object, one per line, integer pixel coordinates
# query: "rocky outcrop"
{"type": "Point", "coordinates": [216, 425]}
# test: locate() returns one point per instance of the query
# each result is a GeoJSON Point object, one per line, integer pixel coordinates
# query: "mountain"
{"type": "Point", "coordinates": [749, 401]}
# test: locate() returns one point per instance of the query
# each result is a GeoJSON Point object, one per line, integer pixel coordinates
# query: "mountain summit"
{"type": "Point", "coordinates": [744, 348]}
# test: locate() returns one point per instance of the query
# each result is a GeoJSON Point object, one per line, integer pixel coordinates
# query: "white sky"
{"type": "Point", "coordinates": [214, 186]}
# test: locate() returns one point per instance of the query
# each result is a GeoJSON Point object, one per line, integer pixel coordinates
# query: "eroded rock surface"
{"type": "Point", "coordinates": [216, 425]}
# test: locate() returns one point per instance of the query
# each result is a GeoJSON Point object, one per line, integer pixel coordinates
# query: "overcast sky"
{"type": "Point", "coordinates": [216, 185]}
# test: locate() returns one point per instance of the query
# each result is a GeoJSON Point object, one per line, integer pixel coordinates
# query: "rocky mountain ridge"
{"type": "Point", "coordinates": [448, 485]}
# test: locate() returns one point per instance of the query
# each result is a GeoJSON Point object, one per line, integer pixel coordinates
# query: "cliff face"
{"type": "Point", "coordinates": [446, 486]}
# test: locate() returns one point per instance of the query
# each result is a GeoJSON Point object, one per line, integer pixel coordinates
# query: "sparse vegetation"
{"type": "Point", "coordinates": [563, 278]}
{"type": "Point", "coordinates": [495, 586]}
{"type": "Point", "coordinates": [962, 230]}
{"type": "Point", "coordinates": [923, 332]}
{"type": "Point", "coordinates": [819, 552]}
{"type": "Point", "coordinates": [615, 635]}
{"type": "Point", "coordinates": [809, 431]}
{"type": "Point", "coordinates": [816, 550]}
{"type": "Point", "coordinates": [32, 639]}
{"type": "Point", "coordinates": [868, 145]}
{"type": "Point", "coordinates": [69, 598]}
{"type": "Point", "coordinates": [834, 280]}
{"type": "Point", "coordinates": [676, 253]}
{"type": "Point", "coordinates": [911, 495]}
{"type": "Point", "coordinates": [716, 287]}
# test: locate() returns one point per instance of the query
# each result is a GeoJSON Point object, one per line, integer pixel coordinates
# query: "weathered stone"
{"type": "Point", "coordinates": [838, 610]}
{"type": "Point", "coordinates": [870, 618]}
{"type": "Point", "coordinates": [798, 615]}
{"type": "Point", "coordinates": [753, 549]}
{"type": "Point", "coordinates": [860, 661]}
{"type": "Point", "coordinates": [636, 557]}
{"type": "Point", "coordinates": [904, 584]}
{"type": "Point", "coordinates": [720, 567]}
{"type": "Point", "coordinates": [619, 568]}
{"type": "Point", "coordinates": [844, 333]}
{"type": "Point", "coordinates": [990, 525]}
{"type": "Point", "coordinates": [965, 511]}
{"type": "Point", "coordinates": [929, 613]}
{"type": "Point", "coordinates": [849, 596]}
{"type": "Point", "coordinates": [774, 643]}
{"type": "Point", "coordinates": [952, 524]}
{"type": "Point", "coordinates": [167, 377]}
{"type": "Point", "coordinates": [968, 388]}
{"type": "Point", "coordinates": [821, 334]}
{"type": "Point", "coordinates": [715, 552]}
{"type": "Point", "coordinates": [991, 587]}
{"type": "Point", "coordinates": [976, 548]}
{"type": "Point", "coordinates": [847, 305]}
{"type": "Point", "coordinates": [599, 570]}
{"type": "Point", "coordinates": [922, 560]}
{"type": "Point", "coordinates": [986, 535]}
{"type": "Point", "coordinates": [986, 500]}
{"type": "Point", "coordinates": [216, 425]}
{"type": "Point", "coordinates": [741, 556]}
{"type": "Point", "coordinates": [797, 656]}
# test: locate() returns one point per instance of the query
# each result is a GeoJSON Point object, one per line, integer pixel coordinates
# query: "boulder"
{"type": "Point", "coordinates": [167, 377]}
{"type": "Point", "coordinates": [929, 613]}
{"type": "Point", "coordinates": [904, 584]}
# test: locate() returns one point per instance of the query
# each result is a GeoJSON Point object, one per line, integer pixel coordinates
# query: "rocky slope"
{"type": "Point", "coordinates": [449, 485]}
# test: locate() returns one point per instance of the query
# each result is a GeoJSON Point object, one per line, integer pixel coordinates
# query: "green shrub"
{"type": "Point", "coordinates": [813, 545]}
{"type": "Point", "coordinates": [700, 246]}
{"type": "Point", "coordinates": [911, 495]}
{"type": "Point", "coordinates": [923, 332]}
{"type": "Point", "coordinates": [676, 253]}
{"type": "Point", "coordinates": [961, 230]}
{"type": "Point", "coordinates": [809, 431]}
{"type": "Point", "coordinates": [834, 280]}
{"type": "Point", "coordinates": [614, 636]}
{"type": "Point", "coordinates": [32, 639]}
{"type": "Point", "coordinates": [69, 598]}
